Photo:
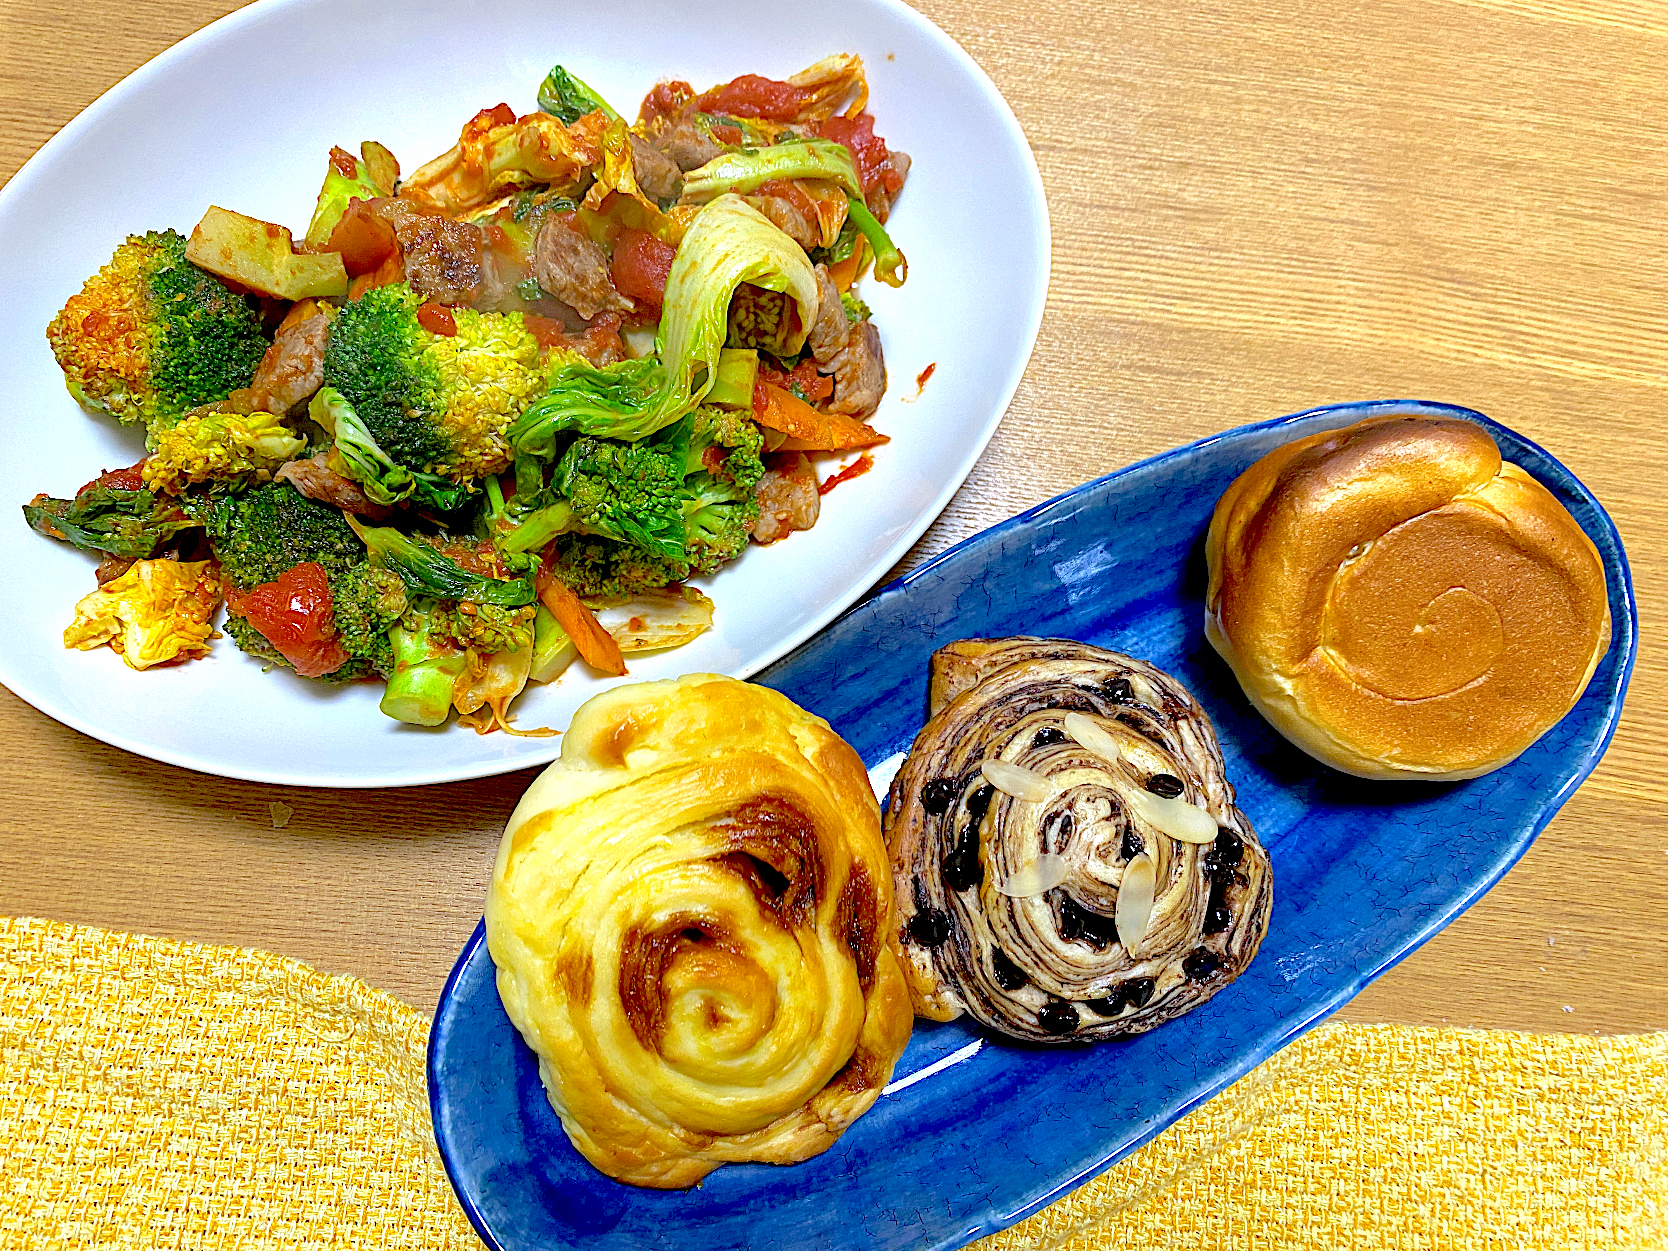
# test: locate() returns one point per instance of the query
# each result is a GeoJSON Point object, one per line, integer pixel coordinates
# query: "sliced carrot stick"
{"type": "Point", "coordinates": [808, 428]}
{"type": "Point", "coordinates": [844, 273]}
{"type": "Point", "coordinates": [597, 647]}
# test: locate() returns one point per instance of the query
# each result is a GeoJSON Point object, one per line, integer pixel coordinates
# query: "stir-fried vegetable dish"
{"type": "Point", "coordinates": [489, 418]}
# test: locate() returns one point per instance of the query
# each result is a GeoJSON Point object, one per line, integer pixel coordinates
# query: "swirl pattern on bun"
{"type": "Point", "coordinates": [690, 916]}
{"type": "Point", "coordinates": [1401, 603]}
{"type": "Point", "coordinates": [1069, 862]}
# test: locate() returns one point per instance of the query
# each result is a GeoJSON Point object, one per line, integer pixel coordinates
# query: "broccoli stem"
{"type": "Point", "coordinates": [890, 265]}
{"type": "Point", "coordinates": [539, 528]}
{"type": "Point", "coordinates": [420, 690]}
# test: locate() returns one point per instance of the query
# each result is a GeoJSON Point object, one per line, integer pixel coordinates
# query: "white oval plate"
{"type": "Point", "coordinates": [242, 115]}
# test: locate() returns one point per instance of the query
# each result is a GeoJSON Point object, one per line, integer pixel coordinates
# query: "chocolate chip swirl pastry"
{"type": "Point", "coordinates": [690, 916]}
{"type": "Point", "coordinates": [1068, 859]}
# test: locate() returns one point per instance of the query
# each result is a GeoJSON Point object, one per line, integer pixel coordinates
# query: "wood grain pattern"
{"type": "Point", "coordinates": [1257, 207]}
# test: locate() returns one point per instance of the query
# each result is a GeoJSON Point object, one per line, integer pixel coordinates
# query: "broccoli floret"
{"type": "Point", "coordinates": [723, 459]}
{"type": "Point", "coordinates": [485, 627]}
{"type": "Point", "coordinates": [656, 511]}
{"type": "Point", "coordinates": [433, 403]}
{"type": "Point", "coordinates": [601, 569]}
{"type": "Point", "coordinates": [428, 571]}
{"type": "Point", "coordinates": [728, 445]}
{"type": "Point", "coordinates": [718, 524]}
{"type": "Point", "coordinates": [261, 533]}
{"type": "Point", "coordinates": [151, 335]}
{"type": "Point", "coordinates": [633, 492]}
{"type": "Point", "coordinates": [214, 442]}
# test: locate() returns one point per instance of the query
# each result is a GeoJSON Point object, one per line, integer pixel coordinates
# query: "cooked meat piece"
{"type": "Point", "coordinates": [112, 567]}
{"type": "Point", "coordinates": [293, 367]}
{"type": "Point", "coordinates": [832, 327]}
{"type": "Point", "coordinates": [443, 258]}
{"type": "Point", "coordinates": [859, 373]}
{"type": "Point", "coordinates": [656, 173]}
{"type": "Point", "coordinates": [688, 145]}
{"type": "Point", "coordinates": [316, 480]}
{"type": "Point", "coordinates": [788, 498]}
{"type": "Point", "coordinates": [789, 219]}
{"type": "Point", "coordinates": [575, 270]}
{"type": "Point", "coordinates": [879, 201]}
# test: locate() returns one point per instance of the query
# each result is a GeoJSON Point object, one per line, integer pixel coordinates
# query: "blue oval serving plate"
{"type": "Point", "coordinates": [974, 1135]}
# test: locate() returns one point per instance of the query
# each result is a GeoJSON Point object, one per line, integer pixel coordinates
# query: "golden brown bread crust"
{"type": "Point", "coordinates": [1400, 602]}
{"type": "Point", "coordinates": [690, 915]}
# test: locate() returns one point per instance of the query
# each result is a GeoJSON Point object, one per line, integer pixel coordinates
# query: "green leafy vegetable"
{"type": "Point", "coordinates": [130, 524]}
{"type": "Point", "coordinates": [427, 571]}
{"type": "Point", "coordinates": [366, 463]}
{"type": "Point", "coordinates": [564, 96]}
{"type": "Point", "coordinates": [375, 173]}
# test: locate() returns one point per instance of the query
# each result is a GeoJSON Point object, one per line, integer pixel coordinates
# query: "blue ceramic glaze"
{"type": "Point", "coordinates": [1364, 872]}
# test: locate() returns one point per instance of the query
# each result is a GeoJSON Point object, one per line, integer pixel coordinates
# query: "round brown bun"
{"type": "Point", "coordinates": [1401, 603]}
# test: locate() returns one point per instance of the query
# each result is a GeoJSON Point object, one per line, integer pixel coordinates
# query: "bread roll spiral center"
{"type": "Point", "coordinates": [688, 916]}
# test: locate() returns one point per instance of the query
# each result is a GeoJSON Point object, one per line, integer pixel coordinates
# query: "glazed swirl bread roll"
{"type": "Point", "coordinates": [1069, 861]}
{"type": "Point", "coordinates": [1401, 603]}
{"type": "Point", "coordinates": [689, 916]}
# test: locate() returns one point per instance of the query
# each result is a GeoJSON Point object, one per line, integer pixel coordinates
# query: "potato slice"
{"type": "Point", "coordinates": [261, 256]}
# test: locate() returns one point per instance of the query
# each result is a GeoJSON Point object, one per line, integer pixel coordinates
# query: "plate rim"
{"type": "Point", "coordinates": [1625, 636]}
{"type": "Point", "coordinates": [1042, 249]}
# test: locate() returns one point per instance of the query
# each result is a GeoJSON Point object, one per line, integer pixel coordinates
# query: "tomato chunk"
{"type": "Point", "coordinates": [867, 149]}
{"type": "Point", "coordinates": [640, 265]}
{"type": "Point", "coordinates": [295, 615]}
{"type": "Point", "coordinates": [129, 479]}
{"type": "Point", "coordinates": [752, 96]}
{"type": "Point", "coordinates": [803, 380]}
{"type": "Point", "coordinates": [667, 99]}
{"type": "Point", "coordinates": [437, 319]}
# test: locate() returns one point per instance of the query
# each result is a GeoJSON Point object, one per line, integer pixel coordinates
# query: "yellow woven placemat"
{"type": "Point", "coordinates": [159, 1094]}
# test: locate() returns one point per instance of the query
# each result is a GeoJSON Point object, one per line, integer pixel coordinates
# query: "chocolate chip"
{"type": "Point", "coordinates": [1165, 785]}
{"type": "Point", "coordinates": [1058, 1017]}
{"type": "Point", "coordinates": [930, 927]}
{"type": "Point", "coordinates": [978, 803]}
{"type": "Point", "coordinates": [1048, 736]}
{"type": "Point", "coordinates": [1217, 919]}
{"type": "Point", "coordinates": [1077, 922]}
{"type": "Point", "coordinates": [1119, 691]}
{"type": "Point", "coordinates": [1200, 964]}
{"type": "Point", "coordinates": [1138, 991]}
{"type": "Point", "coordinates": [962, 867]}
{"type": "Point", "coordinates": [1102, 1007]}
{"type": "Point", "coordinates": [1009, 976]}
{"type": "Point", "coordinates": [937, 795]}
{"type": "Point", "coordinates": [1132, 846]}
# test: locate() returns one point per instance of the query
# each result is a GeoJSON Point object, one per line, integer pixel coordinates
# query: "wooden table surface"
{"type": "Point", "coordinates": [1258, 206]}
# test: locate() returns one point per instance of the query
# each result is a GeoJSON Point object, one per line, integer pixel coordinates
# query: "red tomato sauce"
{"type": "Point", "coordinates": [856, 469]}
